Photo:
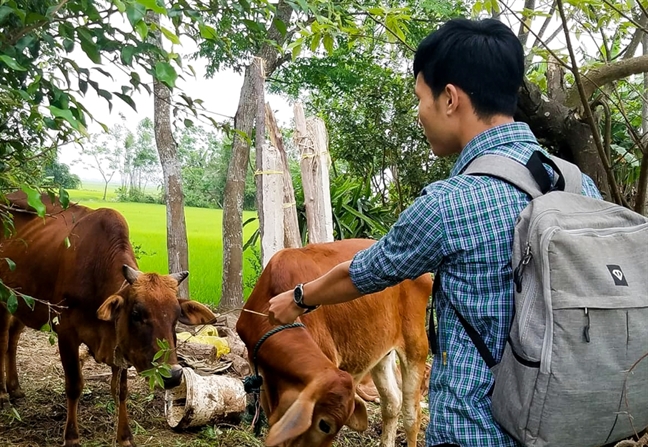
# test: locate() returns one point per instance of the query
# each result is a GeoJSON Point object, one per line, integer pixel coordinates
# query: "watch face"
{"type": "Point", "coordinates": [299, 294]}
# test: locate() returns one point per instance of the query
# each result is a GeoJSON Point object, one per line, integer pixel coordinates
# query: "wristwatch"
{"type": "Point", "coordinates": [298, 298]}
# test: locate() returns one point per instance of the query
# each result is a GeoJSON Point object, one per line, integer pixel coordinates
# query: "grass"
{"type": "Point", "coordinates": [147, 224]}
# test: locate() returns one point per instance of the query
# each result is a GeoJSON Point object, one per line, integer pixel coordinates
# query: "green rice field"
{"type": "Point", "coordinates": [147, 223]}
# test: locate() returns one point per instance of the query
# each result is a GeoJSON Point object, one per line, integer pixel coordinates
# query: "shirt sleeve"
{"type": "Point", "coordinates": [589, 187]}
{"type": "Point", "coordinates": [412, 247]}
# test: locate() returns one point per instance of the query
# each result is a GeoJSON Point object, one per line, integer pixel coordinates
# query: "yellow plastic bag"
{"type": "Point", "coordinates": [208, 335]}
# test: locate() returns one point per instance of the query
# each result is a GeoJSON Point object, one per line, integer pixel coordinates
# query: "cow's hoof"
{"type": "Point", "coordinates": [16, 394]}
{"type": "Point", "coordinates": [127, 443]}
{"type": "Point", "coordinates": [4, 399]}
{"type": "Point", "coordinates": [72, 443]}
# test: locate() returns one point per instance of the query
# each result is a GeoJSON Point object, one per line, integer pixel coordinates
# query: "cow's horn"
{"type": "Point", "coordinates": [180, 276]}
{"type": "Point", "coordinates": [130, 273]}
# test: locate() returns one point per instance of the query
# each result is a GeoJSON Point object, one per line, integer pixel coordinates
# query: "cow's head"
{"type": "Point", "coordinates": [313, 416]}
{"type": "Point", "coordinates": [146, 311]}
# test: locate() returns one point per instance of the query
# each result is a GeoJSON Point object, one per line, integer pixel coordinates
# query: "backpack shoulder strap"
{"type": "Point", "coordinates": [531, 178]}
{"type": "Point", "coordinates": [505, 169]}
{"type": "Point", "coordinates": [572, 175]}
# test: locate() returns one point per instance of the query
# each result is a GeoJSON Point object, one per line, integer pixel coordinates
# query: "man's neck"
{"type": "Point", "coordinates": [474, 126]}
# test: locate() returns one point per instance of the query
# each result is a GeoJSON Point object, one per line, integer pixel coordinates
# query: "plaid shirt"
{"type": "Point", "coordinates": [462, 228]}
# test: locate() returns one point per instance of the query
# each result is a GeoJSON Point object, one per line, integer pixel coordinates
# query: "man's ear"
{"type": "Point", "coordinates": [110, 307]}
{"type": "Point", "coordinates": [293, 423]}
{"type": "Point", "coordinates": [358, 421]}
{"type": "Point", "coordinates": [452, 98]}
{"type": "Point", "coordinates": [195, 313]}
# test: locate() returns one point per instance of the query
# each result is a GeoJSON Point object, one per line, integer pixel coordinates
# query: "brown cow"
{"type": "Point", "coordinates": [81, 261]}
{"type": "Point", "coordinates": [309, 374]}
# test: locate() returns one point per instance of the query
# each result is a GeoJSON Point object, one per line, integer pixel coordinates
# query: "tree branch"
{"type": "Point", "coordinates": [523, 33]}
{"type": "Point", "coordinates": [631, 49]}
{"type": "Point", "coordinates": [598, 77]}
{"type": "Point", "coordinates": [588, 111]}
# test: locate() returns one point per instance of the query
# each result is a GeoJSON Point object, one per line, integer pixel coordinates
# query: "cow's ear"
{"type": "Point", "coordinates": [358, 420]}
{"type": "Point", "coordinates": [293, 423]}
{"type": "Point", "coordinates": [195, 313]}
{"type": "Point", "coordinates": [110, 307]}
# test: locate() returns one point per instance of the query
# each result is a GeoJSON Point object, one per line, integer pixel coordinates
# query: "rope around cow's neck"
{"type": "Point", "coordinates": [252, 384]}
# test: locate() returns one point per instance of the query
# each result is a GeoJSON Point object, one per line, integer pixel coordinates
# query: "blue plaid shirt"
{"type": "Point", "coordinates": [462, 228]}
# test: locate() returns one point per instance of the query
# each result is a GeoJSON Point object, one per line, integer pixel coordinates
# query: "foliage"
{"type": "Point", "coordinates": [365, 95]}
{"type": "Point", "coordinates": [160, 366]}
{"type": "Point", "coordinates": [204, 156]}
{"type": "Point", "coordinates": [58, 175]}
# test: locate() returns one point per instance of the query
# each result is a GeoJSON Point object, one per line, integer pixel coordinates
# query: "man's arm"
{"type": "Point", "coordinates": [412, 247]}
{"type": "Point", "coordinates": [332, 288]}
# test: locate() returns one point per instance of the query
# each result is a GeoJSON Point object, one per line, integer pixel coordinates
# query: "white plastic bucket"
{"type": "Point", "coordinates": [200, 399]}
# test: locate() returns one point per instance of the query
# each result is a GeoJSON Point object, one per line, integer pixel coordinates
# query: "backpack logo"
{"type": "Point", "coordinates": [617, 275]}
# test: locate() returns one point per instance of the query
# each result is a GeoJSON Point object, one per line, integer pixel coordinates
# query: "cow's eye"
{"type": "Point", "coordinates": [136, 315]}
{"type": "Point", "coordinates": [326, 428]}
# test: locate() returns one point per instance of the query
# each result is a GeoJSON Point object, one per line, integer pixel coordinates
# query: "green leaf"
{"type": "Point", "coordinates": [170, 35]}
{"type": "Point", "coordinates": [166, 73]}
{"type": "Point", "coordinates": [45, 328]}
{"type": "Point", "coordinates": [66, 241]}
{"type": "Point", "coordinates": [207, 32]}
{"type": "Point", "coordinates": [88, 46]}
{"type": "Point", "coordinates": [12, 265]}
{"type": "Point", "coordinates": [152, 5]}
{"type": "Point", "coordinates": [29, 301]}
{"type": "Point", "coordinates": [64, 197]}
{"type": "Point", "coordinates": [328, 43]}
{"type": "Point", "coordinates": [135, 13]}
{"type": "Point", "coordinates": [127, 53]}
{"type": "Point", "coordinates": [12, 302]}
{"type": "Point", "coordinates": [281, 26]}
{"type": "Point", "coordinates": [68, 44]}
{"type": "Point", "coordinates": [5, 11]}
{"type": "Point", "coordinates": [11, 63]}
{"type": "Point", "coordinates": [65, 114]}
{"type": "Point", "coordinates": [121, 7]}
{"type": "Point", "coordinates": [142, 29]}
{"type": "Point", "coordinates": [34, 199]}
{"type": "Point", "coordinates": [127, 99]}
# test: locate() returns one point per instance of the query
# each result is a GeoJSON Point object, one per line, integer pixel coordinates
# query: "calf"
{"type": "Point", "coordinates": [310, 373]}
{"type": "Point", "coordinates": [79, 264]}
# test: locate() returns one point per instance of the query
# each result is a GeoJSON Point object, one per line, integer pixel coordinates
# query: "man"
{"type": "Point", "coordinates": [467, 77]}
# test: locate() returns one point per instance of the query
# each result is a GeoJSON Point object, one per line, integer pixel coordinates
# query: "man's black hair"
{"type": "Point", "coordinates": [483, 58]}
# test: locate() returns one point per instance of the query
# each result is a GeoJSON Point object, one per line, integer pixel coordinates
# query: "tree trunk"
{"type": "Point", "coordinates": [232, 289]}
{"type": "Point", "coordinates": [292, 238]}
{"type": "Point", "coordinates": [177, 247]}
{"type": "Point", "coordinates": [642, 198]}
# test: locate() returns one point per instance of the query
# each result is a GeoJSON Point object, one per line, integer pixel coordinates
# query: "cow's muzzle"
{"type": "Point", "coordinates": [175, 379]}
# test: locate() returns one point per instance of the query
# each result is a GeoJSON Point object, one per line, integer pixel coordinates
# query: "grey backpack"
{"type": "Point", "coordinates": [572, 372]}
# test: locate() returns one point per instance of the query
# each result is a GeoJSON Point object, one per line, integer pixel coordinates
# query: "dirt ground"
{"type": "Point", "coordinates": [38, 419]}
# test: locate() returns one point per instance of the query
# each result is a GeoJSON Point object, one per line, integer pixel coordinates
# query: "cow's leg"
{"type": "Point", "coordinates": [413, 373]}
{"type": "Point", "coordinates": [5, 317]}
{"type": "Point", "coordinates": [119, 388]}
{"type": "Point", "coordinates": [384, 376]}
{"type": "Point", "coordinates": [69, 350]}
{"type": "Point", "coordinates": [13, 385]}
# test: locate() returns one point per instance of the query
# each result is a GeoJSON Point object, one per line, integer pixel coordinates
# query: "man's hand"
{"type": "Point", "coordinates": [283, 309]}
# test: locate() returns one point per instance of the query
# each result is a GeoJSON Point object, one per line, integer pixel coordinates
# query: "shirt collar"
{"type": "Point", "coordinates": [508, 133]}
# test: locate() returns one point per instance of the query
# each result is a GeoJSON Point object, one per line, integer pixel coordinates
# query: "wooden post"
{"type": "Point", "coordinates": [292, 238]}
{"type": "Point", "coordinates": [312, 140]}
{"type": "Point", "coordinates": [270, 180]}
